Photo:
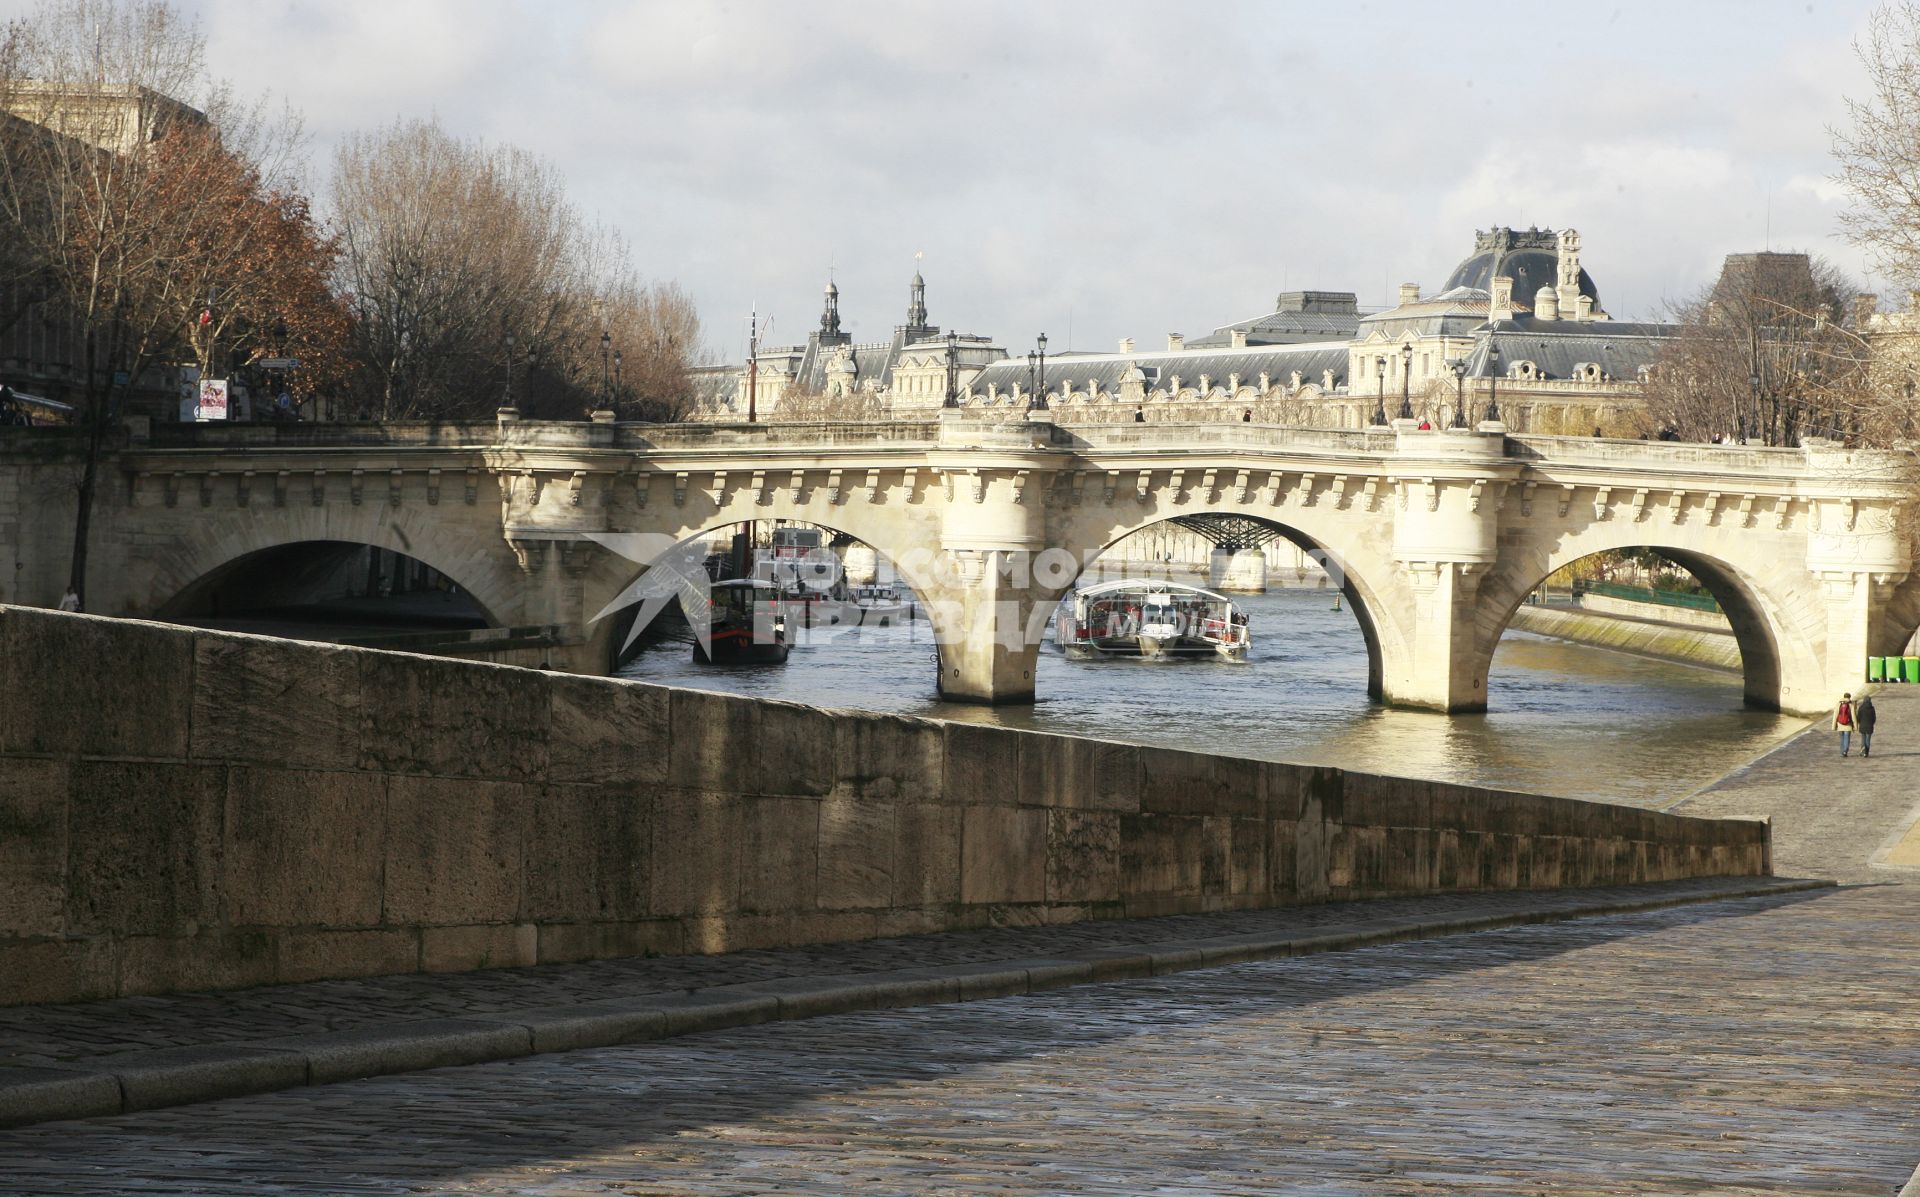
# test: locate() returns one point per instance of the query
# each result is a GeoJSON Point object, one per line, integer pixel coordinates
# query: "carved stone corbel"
{"type": "Point", "coordinates": [1601, 498]}
{"type": "Point", "coordinates": [1177, 486]}
{"type": "Point", "coordinates": [170, 486]}
{"type": "Point", "coordinates": [1745, 510]}
{"type": "Point", "coordinates": [1339, 492]}
{"type": "Point", "coordinates": [680, 489]}
{"type": "Point", "coordinates": [873, 486]}
{"type": "Point", "coordinates": [243, 487]}
{"type": "Point", "coordinates": [280, 488]}
{"type": "Point", "coordinates": [1474, 492]}
{"type": "Point", "coordinates": [796, 482]}
{"type": "Point", "coordinates": [356, 484]}
{"type": "Point", "coordinates": [393, 488]}
{"type": "Point", "coordinates": [1243, 485]}
{"type": "Point", "coordinates": [433, 488]}
{"type": "Point", "coordinates": [1113, 484]}
{"type": "Point", "coordinates": [1143, 484]}
{"type": "Point", "coordinates": [319, 487]}
{"type": "Point", "coordinates": [473, 485]}
{"type": "Point", "coordinates": [762, 494]}
{"type": "Point", "coordinates": [206, 489]}
{"type": "Point", "coordinates": [1783, 511]}
{"type": "Point", "coordinates": [1276, 487]}
{"type": "Point", "coordinates": [833, 487]}
{"type": "Point", "coordinates": [1020, 485]}
{"type": "Point", "coordinates": [1304, 488]}
{"type": "Point", "coordinates": [909, 478]}
{"type": "Point", "coordinates": [1526, 498]}
{"type": "Point", "coordinates": [1566, 498]}
{"type": "Point", "coordinates": [1676, 503]}
{"type": "Point", "coordinates": [1712, 507]}
{"type": "Point", "coordinates": [718, 492]}
{"type": "Point", "coordinates": [575, 556]}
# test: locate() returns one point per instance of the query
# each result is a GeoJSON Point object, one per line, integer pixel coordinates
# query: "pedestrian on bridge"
{"type": "Point", "coordinates": [1843, 722]}
{"type": "Point", "coordinates": [1863, 719]}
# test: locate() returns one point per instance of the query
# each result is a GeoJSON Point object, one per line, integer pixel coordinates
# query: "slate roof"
{"type": "Point", "coordinates": [1282, 328]}
{"type": "Point", "coordinates": [1530, 270]}
{"type": "Point", "coordinates": [1558, 347]}
{"type": "Point", "coordinates": [1113, 369]}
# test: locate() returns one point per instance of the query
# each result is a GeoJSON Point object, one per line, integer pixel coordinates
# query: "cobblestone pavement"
{"type": "Point", "coordinates": [1831, 814]}
{"type": "Point", "coordinates": [32, 1035]}
{"type": "Point", "coordinates": [1764, 1046]}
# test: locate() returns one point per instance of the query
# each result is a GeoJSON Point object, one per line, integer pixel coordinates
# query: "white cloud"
{"type": "Point", "coordinates": [1145, 168]}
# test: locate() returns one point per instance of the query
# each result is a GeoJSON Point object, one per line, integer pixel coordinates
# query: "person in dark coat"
{"type": "Point", "coordinates": [1863, 718]}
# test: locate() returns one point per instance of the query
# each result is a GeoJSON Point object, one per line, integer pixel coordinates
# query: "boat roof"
{"type": "Point", "coordinates": [1125, 584]}
{"type": "Point", "coordinates": [747, 583]}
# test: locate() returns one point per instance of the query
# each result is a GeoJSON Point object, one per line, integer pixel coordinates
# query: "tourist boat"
{"type": "Point", "coordinates": [747, 625]}
{"type": "Point", "coordinates": [1151, 619]}
{"type": "Point", "coordinates": [877, 605]}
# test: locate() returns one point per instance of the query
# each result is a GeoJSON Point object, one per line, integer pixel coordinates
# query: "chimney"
{"type": "Point", "coordinates": [1126, 344]}
{"type": "Point", "coordinates": [1502, 302]}
{"type": "Point", "coordinates": [1586, 308]}
{"type": "Point", "coordinates": [1239, 338]}
{"type": "Point", "coordinates": [1176, 342]}
{"type": "Point", "coordinates": [1865, 305]}
{"type": "Point", "coordinates": [1409, 293]}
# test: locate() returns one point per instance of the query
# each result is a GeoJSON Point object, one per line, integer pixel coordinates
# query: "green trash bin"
{"type": "Point", "coordinates": [1911, 670]}
{"type": "Point", "coordinates": [1876, 669]}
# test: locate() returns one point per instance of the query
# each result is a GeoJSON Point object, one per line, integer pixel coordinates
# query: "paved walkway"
{"type": "Point", "coordinates": [1832, 815]}
{"type": "Point", "coordinates": [1765, 1045]}
{"type": "Point", "coordinates": [1768, 1046]}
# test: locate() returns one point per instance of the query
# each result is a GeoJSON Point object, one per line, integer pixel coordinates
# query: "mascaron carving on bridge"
{"type": "Point", "coordinates": [1439, 534]}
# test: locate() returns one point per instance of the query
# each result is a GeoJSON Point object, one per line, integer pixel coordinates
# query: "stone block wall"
{"type": "Point", "coordinates": [183, 809]}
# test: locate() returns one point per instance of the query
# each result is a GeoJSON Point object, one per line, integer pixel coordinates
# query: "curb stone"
{"type": "Point", "coordinates": [145, 1080]}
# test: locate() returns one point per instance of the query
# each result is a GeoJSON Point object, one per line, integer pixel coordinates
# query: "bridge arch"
{"type": "Point", "coordinates": [1354, 553]}
{"type": "Point", "coordinates": [1770, 622]}
{"type": "Point", "coordinates": [477, 560]}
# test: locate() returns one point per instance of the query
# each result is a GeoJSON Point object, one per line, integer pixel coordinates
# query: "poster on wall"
{"type": "Point", "coordinates": [213, 399]}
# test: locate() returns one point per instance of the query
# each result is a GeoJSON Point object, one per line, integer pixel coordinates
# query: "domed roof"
{"type": "Point", "coordinates": [1530, 270]}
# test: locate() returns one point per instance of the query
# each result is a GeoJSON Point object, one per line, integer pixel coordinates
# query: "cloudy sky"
{"type": "Point", "coordinates": [1110, 169]}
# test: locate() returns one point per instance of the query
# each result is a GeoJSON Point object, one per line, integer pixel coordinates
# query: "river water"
{"type": "Point", "coordinates": [1562, 718]}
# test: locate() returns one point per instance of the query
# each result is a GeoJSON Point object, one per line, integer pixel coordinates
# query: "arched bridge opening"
{"type": "Point", "coordinates": [331, 590]}
{"type": "Point", "coordinates": [827, 589]}
{"type": "Point", "coordinates": [1663, 603]}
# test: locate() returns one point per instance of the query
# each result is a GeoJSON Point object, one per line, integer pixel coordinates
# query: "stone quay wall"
{"type": "Point", "coordinates": [183, 809]}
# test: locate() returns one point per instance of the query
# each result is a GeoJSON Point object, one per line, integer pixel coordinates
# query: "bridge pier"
{"type": "Point", "coordinates": [1243, 571]}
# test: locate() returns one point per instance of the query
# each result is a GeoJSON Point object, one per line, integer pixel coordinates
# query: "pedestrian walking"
{"type": "Point", "coordinates": [1246, 417]}
{"type": "Point", "coordinates": [1863, 719]}
{"type": "Point", "coordinates": [1139, 415]}
{"type": "Point", "coordinates": [1843, 722]}
{"type": "Point", "coordinates": [70, 601]}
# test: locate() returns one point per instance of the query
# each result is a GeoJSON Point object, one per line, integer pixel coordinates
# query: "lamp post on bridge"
{"type": "Point", "coordinates": [1406, 380]}
{"type": "Point", "coordinates": [1459, 367]}
{"type": "Point", "coordinates": [1380, 391]}
{"type": "Point", "coordinates": [615, 405]}
{"type": "Point", "coordinates": [506, 399]}
{"type": "Point", "coordinates": [1493, 380]}
{"type": "Point", "coordinates": [953, 371]}
{"type": "Point", "coordinates": [1039, 380]}
{"type": "Point", "coordinates": [606, 371]}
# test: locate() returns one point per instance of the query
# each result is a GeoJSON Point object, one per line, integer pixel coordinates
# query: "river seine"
{"type": "Point", "coordinates": [1562, 718]}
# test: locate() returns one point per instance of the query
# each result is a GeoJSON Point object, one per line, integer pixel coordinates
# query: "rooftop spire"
{"type": "Point", "coordinates": [917, 303]}
{"type": "Point", "coordinates": [830, 314]}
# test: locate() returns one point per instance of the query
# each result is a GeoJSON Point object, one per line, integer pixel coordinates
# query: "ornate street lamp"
{"type": "Point", "coordinates": [606, 369]}
{"type": "Point", "coordinates": [1459, 365]}
{"type": "Point", "coordinates": [1380, 391]}
{"type": "Point", "coordinates": [953, 371]}
{"type": "Point", "coordinates": [1039, 402]}
{"type": "Point", "coordinates": [1031, 358]}
{"type": "Point", "coordinates": [506, 403]}
{"type": "Point", "coordinates": [1406, 381]}
{"type": "Point", "coordinates": [1493, 380]}
{"type": "Point", "coordinates": [616, 381]}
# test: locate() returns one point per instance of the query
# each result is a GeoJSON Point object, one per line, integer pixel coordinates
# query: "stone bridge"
{"type": "Point", "coordinates": [1436, 536]}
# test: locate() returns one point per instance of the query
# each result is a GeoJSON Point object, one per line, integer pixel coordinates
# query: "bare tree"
{"type": "Point", "coordinates": [1879, 150]}
{"type": "Point", "coordinates": [1765, 354]}
{"type": "Point", "coordinates": [120, 153]}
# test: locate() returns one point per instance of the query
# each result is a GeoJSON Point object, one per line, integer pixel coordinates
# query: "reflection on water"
{"type": "Point", "coordinates": [1564, 718]}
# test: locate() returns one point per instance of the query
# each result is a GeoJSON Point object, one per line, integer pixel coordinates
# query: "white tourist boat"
{"type": "Point", "coordinates": [1151, 619]}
